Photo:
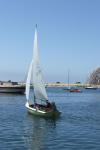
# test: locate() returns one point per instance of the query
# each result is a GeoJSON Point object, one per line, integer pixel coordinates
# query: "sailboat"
{"type": "Point", "coordinates": [68, 86]}
{"type": "Point", "coordinates": [39, 104]}
{"type": "Point", "coordinates": [71, 89]}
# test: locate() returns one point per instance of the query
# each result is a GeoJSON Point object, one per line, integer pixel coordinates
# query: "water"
{"type": "Point", "coordinates": [78, 128]}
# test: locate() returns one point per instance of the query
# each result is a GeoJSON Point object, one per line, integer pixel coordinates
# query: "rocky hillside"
{"type": "Point", "coordinates": [95, 77]}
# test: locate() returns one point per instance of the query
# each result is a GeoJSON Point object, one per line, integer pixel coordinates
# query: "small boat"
{"type": "Point", "coordinates": [75, 90]}
{"type": "Point", "coordinates": [39, 104]}
{"type": "Point", "coordinates": [10, 87]}
{"type": "Point", "coordinates": [91, 88]}
{"type": "Point", "coordinates": [66, 89]}
{"type": "Point", "coordinates": [71, 89]}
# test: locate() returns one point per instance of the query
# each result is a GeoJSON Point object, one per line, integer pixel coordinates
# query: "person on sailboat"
{"type": "Point", "coordinates": [51, 105]}
{"type": "Point", "coordinates": [48, 104]}
{"type": "Point", "coordinates": [54, 106]}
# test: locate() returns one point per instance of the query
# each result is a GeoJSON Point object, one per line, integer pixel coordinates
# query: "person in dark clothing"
{"type": "Point", "coordinates": [49, 105]}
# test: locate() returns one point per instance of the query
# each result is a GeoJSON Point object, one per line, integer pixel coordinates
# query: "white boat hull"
{"type": "Point", "coordinates": [42, 113]}
{"type": "Point", "coordinates": [12, 89]}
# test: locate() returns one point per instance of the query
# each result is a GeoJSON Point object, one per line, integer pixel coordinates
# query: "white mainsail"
{"type": "Point", "coordinates": [39, 87]}
{"type": "Point", "coordinates": [35, 75]}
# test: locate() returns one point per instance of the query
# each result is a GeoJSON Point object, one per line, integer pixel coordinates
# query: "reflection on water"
{"type": "Point", "coordinates": [39, 131]}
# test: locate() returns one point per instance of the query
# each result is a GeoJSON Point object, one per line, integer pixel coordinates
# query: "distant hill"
{"type": "Point", "coordinates": [95, 77]}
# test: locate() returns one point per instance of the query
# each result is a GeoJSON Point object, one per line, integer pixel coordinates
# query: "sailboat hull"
{"type": "Point", "coordinates": [42, 113]}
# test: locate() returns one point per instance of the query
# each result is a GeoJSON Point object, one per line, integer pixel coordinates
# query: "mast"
{"type": "Point", "coordinates": [34, 99]}
{"type": "Point", "coordinates": [68, 78]}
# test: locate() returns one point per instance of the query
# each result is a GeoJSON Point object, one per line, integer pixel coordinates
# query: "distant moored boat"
{"type": "Point", "coordinates": [11, 87]}
{"type": "Point", "coordinates": [91, 88]}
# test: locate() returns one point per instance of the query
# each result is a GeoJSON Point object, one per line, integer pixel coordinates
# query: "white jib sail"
{"type": "Point", "coordinates": [28, 81]}
{"type": "Point", "coordinates": [39, 87]}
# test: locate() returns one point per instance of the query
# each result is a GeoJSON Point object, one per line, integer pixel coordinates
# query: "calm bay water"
{"type": "Point", "coordinates": [78, 127]}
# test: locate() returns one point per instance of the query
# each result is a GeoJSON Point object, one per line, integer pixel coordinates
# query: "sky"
{"type": "Point", "coordinates": [68, 35]}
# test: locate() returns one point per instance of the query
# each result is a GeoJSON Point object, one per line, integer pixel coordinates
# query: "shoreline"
{"type": "Point", "coordinates": [70, 85]}
{"type": "Point", "coordinates": [52, 84]}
